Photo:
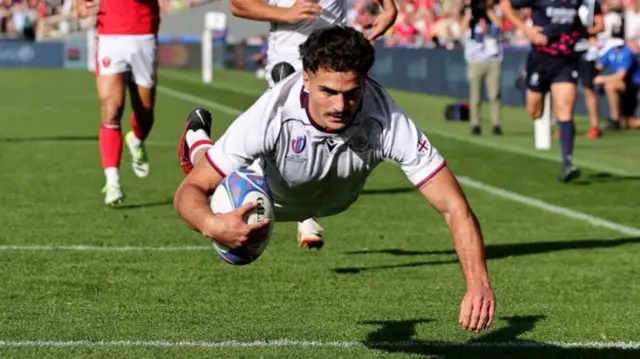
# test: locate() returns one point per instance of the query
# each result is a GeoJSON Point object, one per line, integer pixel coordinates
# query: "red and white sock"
{"type": "Point", "coordinates": [110, 142]}
{"type": "Point", "coordinates": [197, 140]}
{"type": "Point", "coordinates": [141, 127]}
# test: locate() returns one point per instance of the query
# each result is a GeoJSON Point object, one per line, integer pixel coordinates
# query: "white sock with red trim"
{"type": "Point", "coordinates": [197, 140]}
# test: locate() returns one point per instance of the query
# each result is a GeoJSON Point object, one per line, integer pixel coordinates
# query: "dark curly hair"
{"type": "Point", "coordinates": [338, 49]}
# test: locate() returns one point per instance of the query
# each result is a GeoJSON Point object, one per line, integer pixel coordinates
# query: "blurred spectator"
{"type": "Point", "coordinates": [632, 20]}
{"type": "Point", "coordinates": [260, 58]}
{"type": "Point", "coordinates": [31, 19]}
{"type": "Point", "coordinates": [482, 27]}
{"type": "Point", "coordinates": [404, 30]}
{"type": "Point", "coordinates": [621, 84]}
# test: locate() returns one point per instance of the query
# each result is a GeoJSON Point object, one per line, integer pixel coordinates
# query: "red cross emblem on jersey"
{"type": "Point", "coordinates": [423, 145]}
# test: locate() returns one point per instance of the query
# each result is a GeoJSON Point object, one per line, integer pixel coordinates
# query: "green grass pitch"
{"type": "Point", "coordinates": [563, 258]}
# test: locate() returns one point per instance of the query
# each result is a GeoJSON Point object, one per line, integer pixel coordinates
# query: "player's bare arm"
{"type": "Point", "coordinates": [445, 195]}
{"type": "Point", "coordinates": [383, 21]}
{"type": "Point", "coordinates": [192, 204]}
{"type": "Point", "coordinates": [260, 11]}
{"type": "Point", "coordinates": [617, 77]}
{"type": "Point", "coordinates": [494, 17]}
{"type": "Point", "coordinates": [533, 33]}
{"type": "Point", "coordinates": [590, 33]}
{"type": "Point", "coordinates": [84, 7]}
{"type": "Point", "coordinates": [598, 25]}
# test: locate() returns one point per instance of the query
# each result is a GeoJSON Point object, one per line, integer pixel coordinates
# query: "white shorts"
{"type": "Point", "coordinates": [136, 54]}
{"type": "Point", "coordinates": [295, 61]}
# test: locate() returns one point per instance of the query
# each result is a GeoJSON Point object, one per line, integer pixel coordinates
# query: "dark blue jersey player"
{"type": "Point", "coordinates": [552, 64]}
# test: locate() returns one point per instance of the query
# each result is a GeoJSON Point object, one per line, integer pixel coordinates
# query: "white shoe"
{"type": "Point", "coordinates": [139, 158]}
{"type": "Point", "coordinates": [310, 234]}
{"type": "Point", "coordinates": [113, 195]}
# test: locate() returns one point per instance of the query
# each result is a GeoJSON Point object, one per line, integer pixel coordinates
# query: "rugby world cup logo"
{"type": "Point", "coordinates": [298, 144]}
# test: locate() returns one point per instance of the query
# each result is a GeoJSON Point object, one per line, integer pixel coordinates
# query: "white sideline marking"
{"type": "Point", "coordinates": [472, 140]}
{"type": "Point", "coordinates": [532, 202]}
{"type": "Point", "coordinates": [312, 343]}
{"type": "Point", "coordinates": [198, 101]}
{"type": "Point", "coordinates": [548, 207]}
{"type": "Point", "coordinates": [151, 143]}
{"type": "Point", "coordinates": [88, 248]}
{"type": "Point", "coordinates": [225, 86]}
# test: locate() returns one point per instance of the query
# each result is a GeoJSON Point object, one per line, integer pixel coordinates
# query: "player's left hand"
{"type": "Point", "coordinates": [477, 308]}
{"type": "Point", "coordinates": [380, 24]}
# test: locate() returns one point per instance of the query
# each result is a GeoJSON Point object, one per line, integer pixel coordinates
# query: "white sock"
{"type": "Point", "coordinates": [135, 141]}
{"type": "Point", "coordinates": [195, 136]}
{"type": "Point", "coordinates": [200, 139]}
{"type": "Point", "coordinates": [112, 175]}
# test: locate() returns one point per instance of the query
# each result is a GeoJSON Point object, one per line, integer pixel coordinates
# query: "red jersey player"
{"type": "Point", "coordinates": [126, 48]}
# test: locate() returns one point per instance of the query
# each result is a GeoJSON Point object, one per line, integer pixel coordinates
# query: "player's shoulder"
{"type": "Point", "coordinates": [378, 104]}
{"type": "Point", "coordinates": [283, 99]}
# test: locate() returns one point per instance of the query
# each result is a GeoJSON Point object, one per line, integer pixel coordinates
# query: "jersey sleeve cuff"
{"type": "Point", "coordinates": [215, 162]}
{"type": "Point", "coordinates": [422, 177]}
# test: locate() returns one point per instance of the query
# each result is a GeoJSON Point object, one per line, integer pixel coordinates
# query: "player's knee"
{"type": "Point", "coordinates": [111, 111]}
{"type": "Point", "coordinates": [613, 87]}
{"type": "Point", "coordinates": [534, 113]}
{"type": "Point", "coordinates": [144, 115]}
{"type": "Point", "coordinates": [563, 110]}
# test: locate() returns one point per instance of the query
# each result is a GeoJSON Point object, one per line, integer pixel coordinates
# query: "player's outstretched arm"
{"type": "Point", "coordinates": [445, 195]}
{"type": "Point", "coordinates": [260, 11]}
{"type": "Point", "coordinates": [192, 203]}
{"type": "Point", "coordinates": [534, 33]}
{"type": "Point", "coordinates": [191, 200]}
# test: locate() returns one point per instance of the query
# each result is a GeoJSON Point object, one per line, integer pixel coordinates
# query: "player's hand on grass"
{"type": "Point", "coordinates": [535, 35]}
{"type": "Point", "coordinates": [302, 10]}
{"type": "Point", "coordinates": [84, 8]}
{"type": "Point", "coordinates": [477, 308]}
{"type": "Point", "coordinates": [231, 230]}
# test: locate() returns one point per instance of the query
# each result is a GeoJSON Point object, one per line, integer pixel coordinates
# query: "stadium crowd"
{"type": "Point", "coordinates": [420, 23]}
{"type": "Point", "coordinates": [33, 19]}
{"type": "Point", "coordinates": [436, 23]}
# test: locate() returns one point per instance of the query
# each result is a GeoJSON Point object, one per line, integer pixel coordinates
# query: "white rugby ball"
{"type": "Point", "coordinates": [238, 188]}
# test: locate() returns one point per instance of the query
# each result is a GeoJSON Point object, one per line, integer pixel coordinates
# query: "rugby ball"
{"type": "Point", "coordinates": [238, 188]}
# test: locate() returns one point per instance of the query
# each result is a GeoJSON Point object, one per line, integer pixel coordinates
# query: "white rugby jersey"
{"type": "Point", "coordinates": [285, 39]}
{"type": "Point", "coordinates": [313, 173]}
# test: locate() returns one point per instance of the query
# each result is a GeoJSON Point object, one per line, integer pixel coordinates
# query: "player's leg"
{"type": "Point", "coordinates": [195, 139]}
{"type": "Point", "coordinates": [310, 234]}
{"type": "Point", "coordinates": [628, 104]}
{"type": "Point", "coordinates": [537, 83]}
{"type": "Point", "coordinates": [633, 91]}
{"type": "Point", "coordinates": [535, 103]}
{"type": "Point", "coordinates": [111, 74]}
{"type": "Point", "coordinates": [587, 72]}
{"type": "Point", "coordinates": [613, 91]}
{"type": "Point", "coordinates": [142, 89]}
{"type": "Point", "coordinates": [563, 97]}
{"type": "Point", "coordinates": [493, 80]}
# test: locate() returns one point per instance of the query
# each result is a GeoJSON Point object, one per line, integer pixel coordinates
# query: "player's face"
{"type": "Point", "coordinates": [333, 97]}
